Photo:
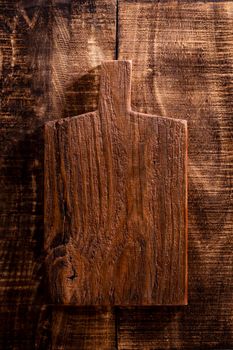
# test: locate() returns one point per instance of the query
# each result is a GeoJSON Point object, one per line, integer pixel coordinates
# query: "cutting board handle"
{"type": "Point", "coordinates": [115, 86]}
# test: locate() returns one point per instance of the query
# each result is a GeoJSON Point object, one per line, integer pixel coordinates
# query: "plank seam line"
{"type": "Point", "coordinates": [117, 31]}
{"type": "Point", "coordinates": [116, 328]}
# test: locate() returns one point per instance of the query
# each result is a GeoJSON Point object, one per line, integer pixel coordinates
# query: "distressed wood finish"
{"type": "Point", "coordinates": [116, 202]}
{"type": "Point", "coordinates": [48, 327]}
{"type": "Point", "coordinates": [72, 328]}
{"type": "Point", "coordinates": [42, 78]}
{"type": "Point", "coordinates": [182, 56]}
{"type": "Point", "coordinates": [49, 57]}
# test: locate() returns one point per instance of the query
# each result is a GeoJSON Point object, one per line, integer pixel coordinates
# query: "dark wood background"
{"type": "Point", "coordinates": [182, 53]}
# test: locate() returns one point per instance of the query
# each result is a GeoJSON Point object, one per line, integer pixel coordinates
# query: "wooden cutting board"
{"type": "Point", "coordinates": [116, 202]}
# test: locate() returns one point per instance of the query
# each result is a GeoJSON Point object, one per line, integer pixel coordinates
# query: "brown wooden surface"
{"type": "Point", "coordinates": [40, 73]}
{"type": "Point", "coordinates": [116, 202]}
{"type": "Point", "coordinates": [183, 54]}
{"type": "Point", "coordinates": [49, 327]}
{"type": "Point", "coordinates": [49, 57]}
{"type": "Point", "coordinates": [71, 328]}
{"type": "Point", "coordinates": [183, 50]}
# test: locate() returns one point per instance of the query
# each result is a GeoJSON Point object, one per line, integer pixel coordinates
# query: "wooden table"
{"type": "Point", "coordinates": [50, 56]}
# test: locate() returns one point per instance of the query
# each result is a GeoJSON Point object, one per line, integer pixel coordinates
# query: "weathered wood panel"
{"type": "Point", "coordinates": [116, 202]}
{"type": "Point", "coordinates": [49, 57]}
{"type": "Point", "coordinates": [28, 327]}
{"type": "Point", "coordinates": [19, 325]}
{"type": "Point", "coordinates": [182, 56]}
{"type": "Point", "coordinates": [42, 77]}
{"type": "Point", "coordinates": [183, 51]}
{"type": "Point", "coordinates": [71, 328]}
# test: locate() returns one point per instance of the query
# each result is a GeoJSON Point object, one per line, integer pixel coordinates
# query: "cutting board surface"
{"type": "Point", "coordinates": [116, 202]}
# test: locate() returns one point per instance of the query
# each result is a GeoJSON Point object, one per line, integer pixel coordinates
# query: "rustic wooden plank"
{"type": "Point", "coordinates": [207, 322]}
{"type": "Point", "coordinates": [42, 78]}
{"type": "Point", "coordinates": [182, 57]}
{"type": "Point", "coordinates": [44, 327]}
{"type": "Point", "coordinates": [19, 324]}
{"type": "Point", "coordinates": [21, 266]}
{"type": "Point", "coordinates": [44, 75]}
{"type": "Point", "coordinates": [71, 328]}
{"type": "Point", "coordinates": [116, 202]}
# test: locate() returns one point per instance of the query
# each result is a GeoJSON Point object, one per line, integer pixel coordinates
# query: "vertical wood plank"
{"type": "Point", "coordinates": [70, 328]}
{"type": "Point", "coordinates": [19, 324]}
{"type": "Point", "coordinates": [47, 327]}
{"type": "Point", "coordinates": [182, 54]}
{"type": "Point", "coordinates": [40, 61]}
{"type": "Point", "coordinates": [47, 71]}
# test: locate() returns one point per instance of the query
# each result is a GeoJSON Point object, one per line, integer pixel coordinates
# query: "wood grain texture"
{"type": "Point", "coordinates": [182, 56]}
{"type": "Point", "coordinates": [42, 77]}
{"type": "Point", "coordinates": [19, 326]}
{"type": "Point", "coordinates": [116, 202]}
{"type": "Point", "coordinates": [47, 71]}
{"type": "Point", "coordinates": [47, 327]}
{"type": "Point", "coordinates": [71, 328]}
